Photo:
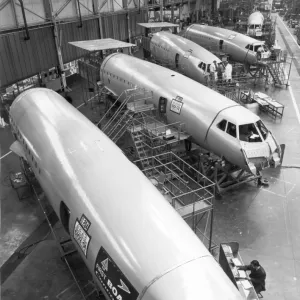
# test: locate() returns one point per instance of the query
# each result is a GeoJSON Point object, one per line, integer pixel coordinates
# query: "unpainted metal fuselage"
{"type": "Point", "coordinates": [255, 24]}
{"type": "Point", "coordinates": [112, 206]}
{"type": "Point", "coordinates": [189, 58]}
{"type": "Point", "coordinates": [202, 110]}
{"type": "Point", "coordinates": [239, 47]}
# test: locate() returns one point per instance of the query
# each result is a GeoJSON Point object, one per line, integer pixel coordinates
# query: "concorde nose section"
{"type": "Point", "coordinates": [194, 280]}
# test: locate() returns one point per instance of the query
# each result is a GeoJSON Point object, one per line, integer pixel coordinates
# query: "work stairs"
{"type": "Point", "coordinates": [121, 118]}
{"type": "Point", "coordinates": [142, 149]}
{"type": "Point", "coordinates": [116, 131]}
{"type": "Point", "coordinates": [277, 73]}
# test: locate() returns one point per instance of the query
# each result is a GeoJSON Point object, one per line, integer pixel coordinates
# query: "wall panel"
{"type": "Point", "coordinates": [137, 17]}
{"type": "Point", "coordinates": [20, 59]}
{"type": "Point", "coordinates": [71, 32]}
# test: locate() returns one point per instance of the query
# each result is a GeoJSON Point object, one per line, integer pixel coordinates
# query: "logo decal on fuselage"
{"type": "Point", "coordinates": [114, 282]}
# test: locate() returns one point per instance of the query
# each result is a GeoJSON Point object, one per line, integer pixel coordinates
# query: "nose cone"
{"type": "Point", "coordinates": [199, 279]}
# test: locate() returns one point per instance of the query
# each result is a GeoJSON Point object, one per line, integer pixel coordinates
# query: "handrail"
{"type": "Point", "coordinates": [120, 107]}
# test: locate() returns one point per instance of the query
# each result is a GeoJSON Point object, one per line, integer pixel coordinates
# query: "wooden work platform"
{"type": "Point", "coordinates": [101, 44]}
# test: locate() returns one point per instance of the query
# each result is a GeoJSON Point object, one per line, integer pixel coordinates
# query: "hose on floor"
{"type": "Point", "coordinates": [22, 251]}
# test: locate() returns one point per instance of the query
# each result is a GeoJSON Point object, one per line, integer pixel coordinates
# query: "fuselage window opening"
{"type": "Point", "coordinates": [231, 129]}
{"type": "Point", "coordinates": [208, 68]}
{"type": "Point", "coordinates": [64, 216]}
{"type": "Point", "coordinates": [222, 125]}
{"type": "Point", "coordinates": [249, 133]}
{"type": "Point", "coordinates": [262, 128]}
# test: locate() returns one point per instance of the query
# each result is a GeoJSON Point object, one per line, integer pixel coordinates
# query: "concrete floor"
{"type": "Point", "coordinates": [263, 220]}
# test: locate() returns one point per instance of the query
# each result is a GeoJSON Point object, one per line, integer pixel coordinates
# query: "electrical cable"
{"type": "Point", "coordinates": [25, 248]}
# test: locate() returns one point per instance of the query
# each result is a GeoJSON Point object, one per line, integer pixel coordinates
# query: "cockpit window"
{"type": "Point", "coordinates": [202, 66]}
{"type": "Point", "coordinates": [262, 128]}
{"type": "Point", "coordinates": [222, 125]}
{"type": "Point", "coordinates": [249, 133]}
{"type": "Point", "coordinates": [208, 68]}
{"type": "Point", "coordinates": [261, 47]}
{"type": "Point", "coordinates": [231, 129]}
{"type": "Point", "coordinates": [250, 47]}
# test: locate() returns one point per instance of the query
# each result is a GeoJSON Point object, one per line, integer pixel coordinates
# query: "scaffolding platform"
{"type": "Point", "coordinates": [180, 184]}
{"type": "Point", "coordinates": [224, 175]}
{"type": "Point", "coordinates": [274, 71]}
{"type": "Point", "coordinates": [82, 288]}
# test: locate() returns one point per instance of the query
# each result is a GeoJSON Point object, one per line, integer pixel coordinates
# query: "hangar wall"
{"type": "Point", "coordinates": [21, 58]}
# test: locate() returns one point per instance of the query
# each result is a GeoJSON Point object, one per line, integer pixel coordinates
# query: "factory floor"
{"type": "Point", "coordinates": [264, 220]}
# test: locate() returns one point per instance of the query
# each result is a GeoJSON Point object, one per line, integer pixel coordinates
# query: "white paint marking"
{"type": "Point", "coordinates": [5, 155]}
{"type": "Point", "coordinates": [266, 190]}
{"type": "Point", "coordinates": [294, 103]}
{"type": "Point", "coordinates": [289, 33]}
{"type": "Point", "coordinates": [290, 88]}
{"type": "Point", "coordinates": [281, 180]}
{"type": "Point", "coordinates": [87, 101]}
{"type": "Point", "coordinates": [291, 130]}
{"type": "Point", "coordinates": [291, 189]}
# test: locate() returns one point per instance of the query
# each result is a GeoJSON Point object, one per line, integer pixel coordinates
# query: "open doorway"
{"type": "Point", "coordinates": [221, 44]}
{"type": "Point", "coordinates": [177, 60]}
{"type": "Point", "coordinates": [64, 216]}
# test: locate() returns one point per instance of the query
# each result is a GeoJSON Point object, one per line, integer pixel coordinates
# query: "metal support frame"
{"type": "Point", "coordinates": [55, 14]}
{"type": "Point", "coordinates": [13, 5]}
{"type": "Point", "coordinates": [58, 47]}
{"type": "Point", "coordinates": [55, 235]}
{"type": "Point", "coordinates": [4, 4]}
{"type": "Point", "coordinates": [32, 12]}
{"type": "Point", "coordinates": [27, 37]}
{"type": "Point", "coordinates": [187, 190]}
{"type": "Point", "coordinates": [79, 13]}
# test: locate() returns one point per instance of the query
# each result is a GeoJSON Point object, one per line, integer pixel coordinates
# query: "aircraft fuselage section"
{"type": "Point", "coordinates": [183, 55]}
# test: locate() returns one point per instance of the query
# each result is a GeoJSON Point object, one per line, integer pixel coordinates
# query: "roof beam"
{"type": "Point", "coordinates": [61, 8]}
{"type": "Point", "coordinates": [86, 7]}
{"type": "Point", "coordinates": [13, 5]}
{"type": "Point", "coordinates": [31, 11]}
{"type": "Point", "coordinates": [102, 5]}
{"type": "Point", "coordinates": [3, 4]}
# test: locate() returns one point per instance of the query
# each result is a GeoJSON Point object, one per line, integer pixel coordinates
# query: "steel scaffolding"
{"type": "Point", "coordinates": [189, 192]}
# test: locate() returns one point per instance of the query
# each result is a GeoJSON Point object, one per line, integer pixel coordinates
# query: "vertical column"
{"type": "Point", "coordinates": [97, 13]}
{"type": "Point", "coordinates": [57, 43]}
{"type": "Point", "coordinates": [13, 5]}
{"type": "Point", "coordinates": [161, 10]}
{"type": "Point", "coordinates": [172, 12]}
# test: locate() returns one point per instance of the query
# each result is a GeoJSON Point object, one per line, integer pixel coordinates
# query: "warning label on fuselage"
{"type": "Point", "coordinates": [176, 106]}
{"type": "Point", "coordinates": [116, 285]}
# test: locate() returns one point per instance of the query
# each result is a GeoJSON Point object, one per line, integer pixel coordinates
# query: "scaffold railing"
{"type": "Point", "coordinates": [189, 192]}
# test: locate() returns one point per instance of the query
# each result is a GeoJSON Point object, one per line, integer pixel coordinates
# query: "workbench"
{"type": "Point", "coordinates": [265, 102]}
{"type": "Point", "coordinates": [229, 259]}
{"type": "Point", "coordinates": [20, 185]}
